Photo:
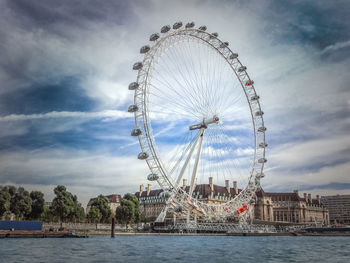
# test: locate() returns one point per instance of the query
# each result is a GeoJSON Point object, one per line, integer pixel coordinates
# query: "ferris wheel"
{"type": "Point", "coordinates": [198, 118]}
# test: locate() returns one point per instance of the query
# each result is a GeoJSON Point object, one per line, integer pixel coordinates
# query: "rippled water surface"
{"type": "Point", "coordinates": [177, 249]}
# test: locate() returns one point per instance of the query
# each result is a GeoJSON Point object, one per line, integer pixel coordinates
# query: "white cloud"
{"type": "Point", "coordinates": [107, 114]}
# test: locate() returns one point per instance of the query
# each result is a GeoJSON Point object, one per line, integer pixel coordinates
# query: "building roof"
{"type": "Point", "coordinates": [203, 189]}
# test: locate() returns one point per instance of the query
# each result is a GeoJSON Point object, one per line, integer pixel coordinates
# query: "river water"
{"type": "Point", "coordinates": [201, 249]}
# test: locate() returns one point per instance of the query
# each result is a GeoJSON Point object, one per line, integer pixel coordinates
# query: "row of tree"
{"type": "Point", "coordinates": [19, 203]}
{"type": "Point", "coordinates": [22, 205]}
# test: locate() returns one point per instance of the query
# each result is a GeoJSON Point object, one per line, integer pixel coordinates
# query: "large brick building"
{"type": "Point", "coordinates": [273, 207]}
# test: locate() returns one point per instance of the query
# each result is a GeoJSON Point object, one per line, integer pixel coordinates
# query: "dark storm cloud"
{"type": "Point", "coordinates": [50, 14]}
{"type": "Point", "coordinates": [65, 95]}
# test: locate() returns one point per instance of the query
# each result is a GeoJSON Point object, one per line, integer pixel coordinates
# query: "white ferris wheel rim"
{"type": "Point", "coordinates": [143, 120]}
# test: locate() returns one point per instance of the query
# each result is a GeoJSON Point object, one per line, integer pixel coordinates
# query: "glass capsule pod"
{"type": "Point", "coordinates": [154, 37]}
{"type": "Point", "coordinates": [224, 44]}
{"type": "Point", "coordinates": [214, 35]}
{"type": "Point", "coordinates": [142, 156]}
{"type": "Point", "coordinates": [144, 49]}
{"type": "Point", "coordinates": [255, 97]}
{"type": "Point", "coordinates": [262, 129]}
{"type": "Point", "coordinates": [259, 113]}
{"type": "Point", "coordinates": [137, 66]}
{"type": "Point", "coordinates": [133, 108]}
{"type": "Point", "coordinates": [249, 83]}
{"type": "Point", "coordinates": [152, 177]}
{"type": "Point", "coordinates": [203, 28]}
{"type": "Point", "coordinates": [263, 145]}
{"type": "Point", "coordinates": [165, 29]}
{"type": "Point", "coordinates": [136, 132]}
{"type": "Point", "coordinates": [177, 25]}
{"type": "Point", "coordinates": [190, 25]}
{"type": "Point", "coordinates": [234, 55]}
{"type": "Point", "coordinates": [262, 160]}
{"type": "Point", "coordinates": [133, 85]}
{"type": "Point", "coordinates": [242, 68]}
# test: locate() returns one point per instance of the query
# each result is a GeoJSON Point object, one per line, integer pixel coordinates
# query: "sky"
{"type": "Point", "coordinates": [65, 67]}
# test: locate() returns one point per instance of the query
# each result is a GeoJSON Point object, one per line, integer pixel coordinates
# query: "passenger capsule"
{"type": "Point", "coordinates": [234, 55]}
{"type": "Point", "coordinates": [190, 25]}
{"type": "Point", "coordinates": [142, 156]}
{"type": "Point", "coordinates": [177, 25]}
{"type": "Point", "coordinates": [152, 177]}
{"type": "Point", "coordinates": [255, 97]}
{"type": "Point", "coordinates": [224, 44]}
{"type": "Point", "coordinates": [214, 35]}
{"type": "Point", "coordinates": [133, 108]}
{"type": "Point", "coordinates": [133, 85]}
{"type": "Point", "coordinates": [203, 28]}
{"type": "Point", "coordinates": [263, 145]}
{"type": "Point", "coordinates": [262, 160]}
{"type": "Point", "coordinates": [144, 49]}
{"type": "Point", "coordinates": [262, 129]}
{"type": "Point", "coordinates": [154, 37]}
{"type": "Point", "coordinates": [136, 132]}
{"type": "Point", "coordinates": [242, 68]}
{"type": "Point", "coordinates": [259, 113]}
{"type": "Point", "coordinates": [249, 83]}
{"type": "Point", "coordinates": [165, 29]}
{"type": "Point", "coordinates": [178, 209]}
{"type": "Point", "coordinates": [137, 66]}
{"type": "Point", "coordinates": [260, 175]}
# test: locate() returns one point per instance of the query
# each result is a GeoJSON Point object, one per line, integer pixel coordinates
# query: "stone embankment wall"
{"type": "Point", "coordinates": [92, 229]}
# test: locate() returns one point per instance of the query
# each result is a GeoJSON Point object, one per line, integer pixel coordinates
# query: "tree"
{"type": "Point", "coordinates": [66, 206]}
{"type": "Point", "coordinates": [102, 204]}
{"type": "Point", "coordinates": [129, 210]}
{"type": "Point", "coordinates": [37, 204]}
{"type": "Point", "coordinates": [21, 203]}
{"type": "Point", "coordinates": [5, 201]}
{"type": "Point", "coordinates": [135, 200]}
{"type": "Point", "coordinates": [94, 215]}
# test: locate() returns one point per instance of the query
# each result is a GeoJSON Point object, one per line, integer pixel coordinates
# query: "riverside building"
{"type": "Point", "coordinates": [272, 207]}
{"type": "Point", "coordinates": [339, 208]}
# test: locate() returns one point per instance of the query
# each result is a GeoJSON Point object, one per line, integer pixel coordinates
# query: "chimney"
{"type": "Point", "coordinates": [141, 188]}
{"type": "Point", "coordinates": [184, 183]}
{"type": "Point", "coordinates": [296, 192]}
{"type": "Point", "coordinates": [148, 189]}
{"type": "Point", "coordinates": [309, 197]}
{"type": "Point", "coordinates": [211, 184]}
{"type": "Point", "coordinates": [235, 188]}
{"type": "Point", "coordinates": [227, 185]}
{"type": "Point", "coordinates": [318, 199]}
{"type": "Point", "coordinates": [305, 197]}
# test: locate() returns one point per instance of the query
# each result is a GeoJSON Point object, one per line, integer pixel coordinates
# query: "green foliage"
{"type": "Point", "coordinates": [129, 210]}
{"type": "Point", "coordinates": [21, 203]}
{"type": "Point", "coordinates": [66, 207]}
{"type": "Point", "coordinates": [94, 215]}
{"type": "Point", "coordinates": [5, 201]}
{"type": "Point", "coordinates": [48, 216]}
{"type": "Point", "coordinates": [102, 204]}
{"type": "Point", "coordinates": [37, 204]}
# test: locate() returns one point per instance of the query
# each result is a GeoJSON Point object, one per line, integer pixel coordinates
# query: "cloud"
{"type": "Point", "coordinates": [107, 115]}
{"type": "Point", "coordinates": [336, 46]}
